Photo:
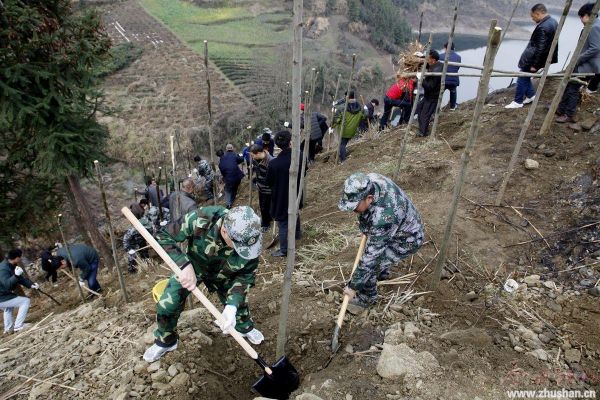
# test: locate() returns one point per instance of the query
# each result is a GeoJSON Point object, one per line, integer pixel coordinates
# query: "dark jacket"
{"type": "Point", "coordinates": [9, 281]}
{"type": "Point", "coordinates": [178, 209]}
{"type": "Point", "coordinates": [454, 57]}
{"type": "Point", "coordinates": [261, 168]}
{"type": "Point", "coordinates": [83, 258]}
{"type": "Point", "coordinates": [316, 126]}
{"type": "Point", "coordinates": [151, 194]}
{"type": "Point", "coordinates": [537, 49]}
{"type": "Point", "coordinates": [589, 59]}
{"type": "Point", "coordinates": [232, 174]}
{"type": "Point", "coordinates": [433, 84]}
{"type": "Point", "coordinates": [270, 147]}
{"type": "Point", "coordinates": [278, 178]}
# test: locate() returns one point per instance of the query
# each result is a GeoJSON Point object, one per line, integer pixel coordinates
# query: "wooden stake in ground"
{"type": "Point", "coordinates": [341, 128]}
{"type": "Point", "coordinates": [414, 108]}
{"type": "Point", "coordinates": [307, 132]}
{"type": "Point", "coordinates": [62, 235]}
{"type": "Point", "coordinates": [111, 232]}
{"type": "Point", "coordinates": [420, 27]}
{"type": "Point", "coordinates": [337, 88]}
{"type": "Point", "coordinates": [292, 209]}
{"type": "Point", "coordinates": [160, 210]}
{"type": "Point", "coordinates": [510, 19]}
{"type": "Point", "coordinates": [250, 166]}
{"type": "Point", "coordinates": [563, 84]}
{"type": "Point", "coordinates": [533, 107]}
{"type": "Point", "coordinates": [490, 56]}
{"type": "Point", "coordinates": [211, 141]}
{"type": "Point", "coordinates": [436, 118]}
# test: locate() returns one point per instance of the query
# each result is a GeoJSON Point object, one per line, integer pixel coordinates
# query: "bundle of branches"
{"type": "Point", "coordinates": [408, 62]}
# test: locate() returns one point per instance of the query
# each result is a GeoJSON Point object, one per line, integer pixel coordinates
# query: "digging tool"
{"type": "Point", "coordinates": [50, 297]}
{"type": "Point", "coordinates": [143, 248]}
{"type": "Point", "coordinates": [340, 319]}
{"type": "Point", "coordinates": [275, 237]}
{"type": "Point", "coordinates": [80, 286]}
{"type": "Point", "coordinates": [62, 235]}
{"type": "Point", "coordinates": [280, 379]}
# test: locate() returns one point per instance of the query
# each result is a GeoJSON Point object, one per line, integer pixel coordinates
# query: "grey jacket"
{"type": "Point", "coordinates": [589, 59]}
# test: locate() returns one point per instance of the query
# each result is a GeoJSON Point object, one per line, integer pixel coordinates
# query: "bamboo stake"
{"type": "Point", "coordinates": [111, 232]}
{"type": "Point", "coordinates": [250, 166]}
{"type": "Point", "coordinates": [492, 49]}
{"type": "Point", "coordinates": [160, 210]}
{"type": "Point", "coordinates": [62, 234]}
{"type": "Point", "coordinates": [341, 130]}
{"type": "Point", "coordinates": [566, 61]}
{"type": "Point", "coordinates": [307, 129]}
{"type": "Point", "coordinates": [501, 72]}
{"type": "Point", "coordinates": [533, 107]}
{"type": "Point", "coordinates": [287, 99]}
{"type": "Point", "coordinates": [292, 210]}
{"type": "Point", "coordinates": [324, 87]}
{"type": "Point", "coordinates": [438, 106]}
{"type": "Point", "coordinates": [420, 27]}
{"type": "Point", "coordinates": [337, 87]}
{"type": "Point", "coordinates": [211, 141]}
{"type": "Point", "coordinates": [563, 84]}
{"type": "Point", "coordinates": [81, 288]}
{"type": "Point", "coordinates": [510, 20]}
{"type": "Point", "coordinates": [413, 110]}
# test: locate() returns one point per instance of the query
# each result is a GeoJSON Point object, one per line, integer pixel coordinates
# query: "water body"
{"type": "Point", "coordinates": [508, 57]}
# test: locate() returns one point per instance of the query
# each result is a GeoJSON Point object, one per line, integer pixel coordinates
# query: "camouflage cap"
{"type": "Point", "coordinates": [243, 227]}
{"type": "Point", "coordinates": [356, 188]}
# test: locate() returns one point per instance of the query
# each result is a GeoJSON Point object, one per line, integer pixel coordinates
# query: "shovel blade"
{"type": "Point", "coordinates": [281, 383]}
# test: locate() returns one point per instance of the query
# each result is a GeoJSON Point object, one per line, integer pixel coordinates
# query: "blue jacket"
{"type": "Point", "coordinates": [454, 57]}
{"type": "Point", "coordinates": [232, 174]}
{"type": "Point", "coordinates": [9, 281]}
{"type": "Point", "coordinates": [271, 146]}
{"type": "Point", "coordinates": [84, 257]}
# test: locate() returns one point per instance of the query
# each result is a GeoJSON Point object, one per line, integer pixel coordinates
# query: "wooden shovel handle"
{"type": "Point", "coordinates": [361, 249]}
{"type": "Point", "coordinates": [177, 271]}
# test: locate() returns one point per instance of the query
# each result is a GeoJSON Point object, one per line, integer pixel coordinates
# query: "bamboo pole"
{"type": "Point", "coordinates": [533, 107]}
{"type": "Point", "coordinates": [341, 130]}
{"type": "Point", "coordinates": [563, 84]}
{"type": "Point", "coordinates": [250, 166]}
{"type": "Point", "coordinates": [337, 87]}
{"type": "Point", "coordinates": [307, 128]}
{"type": "Point", "coordinates": [503, 72]}
{"type": "Point", "coordinates": [492, 49]}
{"type": "Point", "coordinates": [503, 75]}
{"type": "Point", "coordinates": [292, 210]}
{"type": "Point", "coordinates": [211, 141]}
{"type": "Point", "coordinates": [512, 14]}
{"type": "Point", "coordinates": [62, 235]}
{"type": "Point", "coordinates": [160, 211]}
{"type": "Point", "coordinates": [413, 110]}
{"type": "Point", "coordinates": [324, 87]}
{"type": "Point", "coordinates": [438, 106]}
{"type": "Point", "coordinates": [111, 232]}
{"type": "Point", "coordinates": [287, 99]}
{"type": "Point", "coordinates": [420, 27]}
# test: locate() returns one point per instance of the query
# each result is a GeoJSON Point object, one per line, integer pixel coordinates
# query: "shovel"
{"type": "Point", "coordinates": [50, 297]}
{"type": "Point", "coordinates": [340, 319]}
{"type": "Point", "coordinates": [275, 237]}
{"type": "Point", "coordinates": [280, 379]}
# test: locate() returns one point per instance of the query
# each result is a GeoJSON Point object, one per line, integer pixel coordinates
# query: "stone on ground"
{"type": "Point", "coordinates": [473, 336]}
{"type": "Point", "coordinates": [403, 362]}
{"type": "Point", "coordinates": [531, 164]}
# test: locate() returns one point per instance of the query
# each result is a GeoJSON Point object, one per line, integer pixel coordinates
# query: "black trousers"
{"type": "Point", "coordinates": [264, 202]}
{"type": "Point", "coordinates": [51, 272]}
{"type": "Point", "coordinates": [570, 99]}
{"type": "Point", "coordinates": [425, 109]}
{"type": "Point", "coordinates": [283, 233]}
{"type": "Point", "coordinates": [388, 104]}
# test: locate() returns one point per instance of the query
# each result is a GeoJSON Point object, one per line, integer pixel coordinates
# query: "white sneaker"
{"type": "Point", "coordinates": [22, 327]}
{"type": "Point", "coordinates": [155, 352]}
{"type": "Point", "coordinates": [514, 104]}
{"type": "Point", "coordinates": [254, 336]}
{"type": "Point", "coordinates": [529, 100]}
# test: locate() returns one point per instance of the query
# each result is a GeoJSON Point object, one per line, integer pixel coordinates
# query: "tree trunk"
{"type": "Point", "coordinates": [87, 220]}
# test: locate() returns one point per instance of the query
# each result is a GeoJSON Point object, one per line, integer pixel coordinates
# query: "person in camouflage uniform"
{"type": "Point", "coordinates": [154, 217]}
{"type": "Point", "coordinates": [392, 225]}
{"type": "Point", "coordinates": [205, 171]}
{"type": "Point", "coordinates": [133, 240]}
{"type": "Point", "coordinates": [222, 252]}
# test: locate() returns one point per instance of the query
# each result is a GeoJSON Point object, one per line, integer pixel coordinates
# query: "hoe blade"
{"type": "Point", "coordinates": [281, 383]}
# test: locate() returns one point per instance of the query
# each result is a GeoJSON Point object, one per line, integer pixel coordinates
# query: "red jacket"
{"type": "Point", "coordinates": [396, 91]}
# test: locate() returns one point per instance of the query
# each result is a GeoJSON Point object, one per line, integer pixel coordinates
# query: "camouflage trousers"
{"type": "Point", "coordinates": [172, 303]}
{"type": "Point", "coordinates": [367, 276]}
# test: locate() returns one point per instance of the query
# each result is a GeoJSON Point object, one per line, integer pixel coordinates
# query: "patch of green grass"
{"type": "Point", "coordinates": [120, 56]}
{"type": "Point", "coordinates": [179, 12]}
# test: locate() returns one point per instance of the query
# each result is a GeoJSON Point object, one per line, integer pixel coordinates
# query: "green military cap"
{"type": "Point", "coordinates": [356, 188]}
{"type": "Point", "coordinates": [243, 227]}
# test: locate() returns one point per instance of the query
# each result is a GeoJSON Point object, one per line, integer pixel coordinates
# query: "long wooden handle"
{"type": "Point", "coordinates": [77, 280]}
{"type": "Point", "coordinates": [177, 271]}
{"type": "Point", "coordinates": [361, 248]}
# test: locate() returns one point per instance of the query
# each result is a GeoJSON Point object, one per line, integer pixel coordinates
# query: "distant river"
{"type": "Point", "coordinates": [508, 58]}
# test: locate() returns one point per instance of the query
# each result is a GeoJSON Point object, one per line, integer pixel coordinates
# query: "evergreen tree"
{"type": "Point", "coordinates": [48, 103]}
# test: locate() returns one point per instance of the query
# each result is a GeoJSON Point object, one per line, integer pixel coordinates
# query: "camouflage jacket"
{"type": "Point", "coordinates": [133, 240]}
{"type": "Point", "coordinates": [154, 218]}
{"type": "Point", "coordinates": [216, 264]}
{"type": "Point", "coordinates": [205, 170]}
{"type": "Point", "coordinates": [390, 217]}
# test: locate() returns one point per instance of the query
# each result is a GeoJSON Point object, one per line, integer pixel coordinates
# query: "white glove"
{"type": "Point", "coordinates": [18, 271]}
{"type": "Point", "coordinates": [35, 286]}
{"type": "Point", "coordinates": [418, 75]}
{"type": "Point", "coordinates": [419, 54]}
{"type": "Point", "coordinates": [195, 170]}
{"type": "Point", "coordinates": [131, 252]}
{"type": "Point", "coordinates": [330, 131]}
{"type": "Point", "coordinates": [81, 283]}
{"type": "Point", "coordinates": [286, 124]}
{"type": "Point", "coordinates": [333, 110]}
{"type": "Point", "coordinates": [229, 317]}
{"type": "Point", "coordinates": [366, 108]}
{"type": "Point", "coordinates": [334, 104]}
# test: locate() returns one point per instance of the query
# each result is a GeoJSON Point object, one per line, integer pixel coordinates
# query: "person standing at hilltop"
{"type": "Point", "coordinates": [534, 57]}
{"type": "Point", "coordinates": [431, 88]}
{"type": "Point", "coordinates": [231, 172]}
{"type": "Point", "coordinates": [452, 82]}
{"type": "Point", "coordinates": [354, 116]}
{"type": "Point", "coordinates": [588, 61]}
{"type": "Point", "coordinates": [204, 170]}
